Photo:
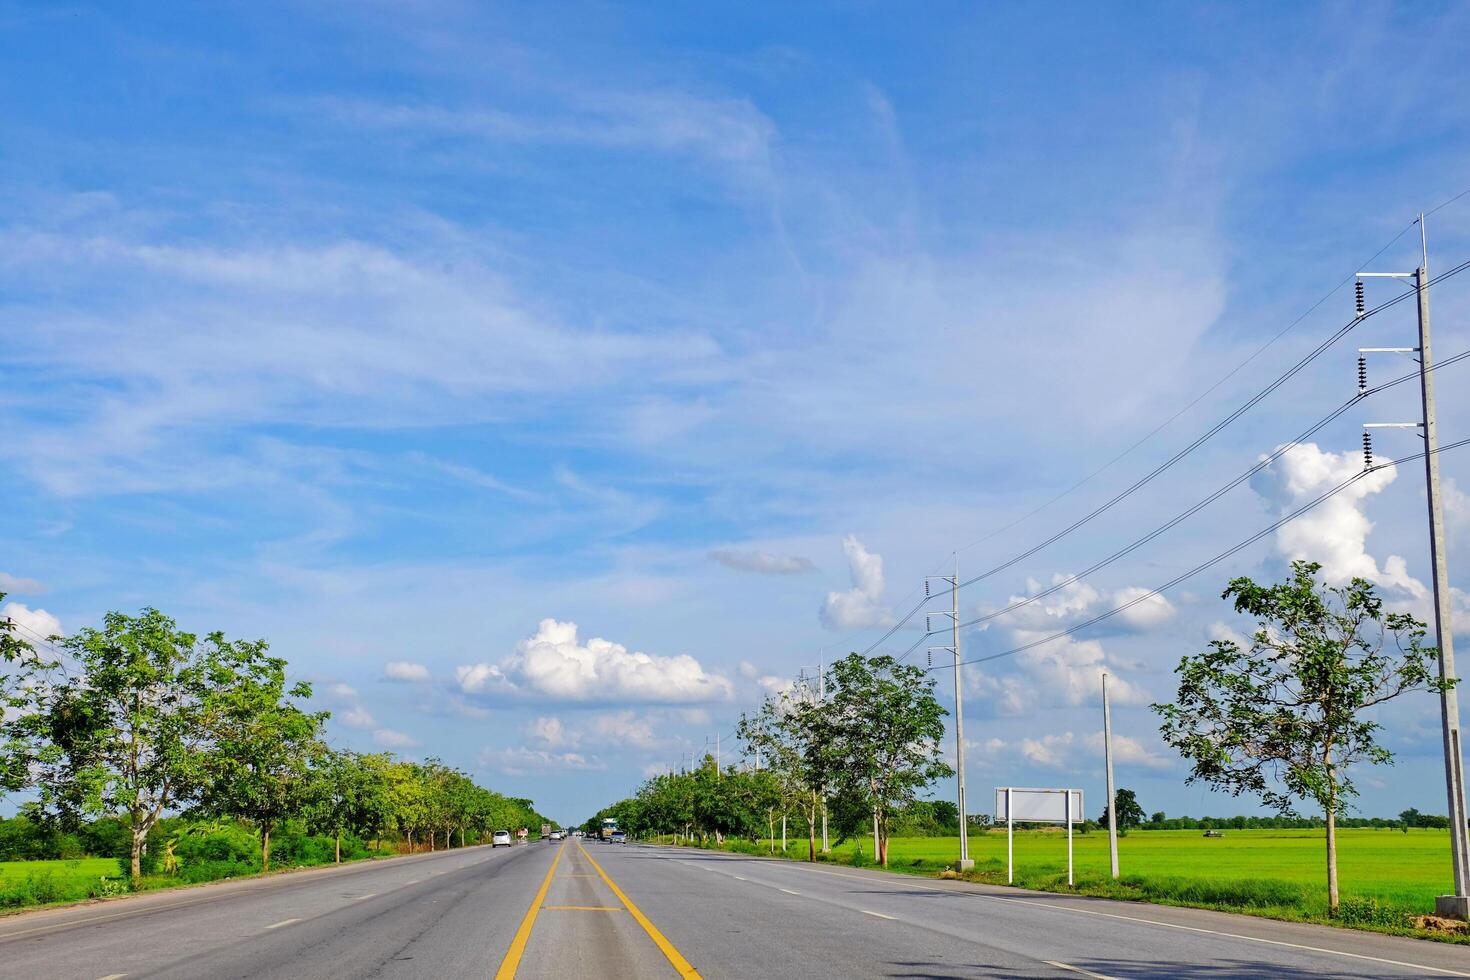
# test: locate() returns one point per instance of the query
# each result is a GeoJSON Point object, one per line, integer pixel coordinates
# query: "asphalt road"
{"type": "Point", "coordinates": [566, 910]}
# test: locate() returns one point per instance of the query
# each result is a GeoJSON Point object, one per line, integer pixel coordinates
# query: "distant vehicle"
{"type": "Point", "coordinates": [546, 831]}
{"type": "Point", "coordinates": [618, 837]}
{"type": "Point", "coordinates": [556, 835]}
{"type": "Point", "coordinates": [609, 827]}
{"type": "Point", "coordinates": [523, 835]}
{"type": "Point", "coordinates": [578, 834]}
{"type": "Point", "coordinates": [501, 838]}
{"type": "Point", "coordinates": [1214, 833]}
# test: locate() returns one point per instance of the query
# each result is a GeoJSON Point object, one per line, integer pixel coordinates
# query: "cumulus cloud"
{"type": "Point", "coordinates": [390, 739]}
{"type": "Point", "coordinates": [623, 729]}
{"type": "Point", "coordinates": [403, 670]}
{"type": "Point", "coordinates": [555, 664]}
{"type": "Point", "coordinates": [549, 733]}
{"type": "Point", "coordinates": [1129, 751]}
{"type": "Point", "coordinates": [11, 583]}
{"type": "Point", "coordinates": [1147, 611]}
{"type": "Point", "coordinates": [761, 562]}
{"type": "Point", "coordinates": [523, 761]}
{"type": "Point", "coordinates": [1222, 631]}
{"type": "Point", "coordinates": [859, 606]}
{"type": "Point", "coordinates": [33, 622]}
{"type": "Point", "coordinates": [1049, 750]}
{"type": "Point", "coordinates": [1335, 532]}
{"type": "Point", "coordinates": [1067, 668]}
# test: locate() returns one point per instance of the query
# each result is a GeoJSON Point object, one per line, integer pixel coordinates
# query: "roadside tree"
{"type": "Point", "coordinates": [1286, 719]}
{"type": "Point", "coordinates": [264, 743]}
{"type": "Point", "coordinates": [120, 729]}
{"type": "Point", "coordinates": [1130, 813]}
{"type": "Point", "coordinates": [879, 730]}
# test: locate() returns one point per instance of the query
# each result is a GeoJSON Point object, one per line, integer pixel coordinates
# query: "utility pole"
{"type": "Point", "coordinates": [1112, 794]}
{"type": "Point", "coordinates": [821, 699]}
{"type": "Point", "coordinates": [1456, 905]}
{"type": "Point", "coordinates": [964, 863]}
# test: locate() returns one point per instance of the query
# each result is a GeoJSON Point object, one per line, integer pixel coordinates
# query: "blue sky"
{"type": "Point", "coordinates": [407, 335]}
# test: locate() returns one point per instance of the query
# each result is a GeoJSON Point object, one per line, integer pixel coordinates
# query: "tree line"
{"type": "Point", "coordinates": [138, 720]}
{"type": "Point", "coordinates": [861, 752]}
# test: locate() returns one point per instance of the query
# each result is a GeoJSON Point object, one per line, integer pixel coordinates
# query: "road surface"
{"type": "Point", "coordinates": [558, 910]}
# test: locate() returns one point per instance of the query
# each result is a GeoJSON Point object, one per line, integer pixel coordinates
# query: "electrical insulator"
{"type": "Point", "coordinates": [926, 588]}
{"type": "Point", "coordinates": [1362, 375]}
{"type": "Point", "coordinates": [931, 664]}
{"type": "Point", "coordinates": [1367, 450]}
{"type": "Point", "coordinates": [1362, 306]}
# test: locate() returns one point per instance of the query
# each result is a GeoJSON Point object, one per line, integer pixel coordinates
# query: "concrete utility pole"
{"type": "Point", "coordinates": [1458, 904]}
{"type": "Point", "coordinates": [1112, 794]}
{"type": "Point", "coordinates": [822, 695]}
{"type": "Point", "coordinates": [965, 863]}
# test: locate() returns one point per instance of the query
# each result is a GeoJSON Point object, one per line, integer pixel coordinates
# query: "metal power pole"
{"type": "Point", "coordinates": [1458, 904]}
{"type": "Point", "coordinates": [965, 863]}
{"type": "Point", "coordinates": [1112, 794]}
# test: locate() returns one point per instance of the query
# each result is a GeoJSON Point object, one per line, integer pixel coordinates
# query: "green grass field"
{"type": "Point", "coordinates": [39, 882]}
{"type": "Point", "coordinates": [1404, 869]}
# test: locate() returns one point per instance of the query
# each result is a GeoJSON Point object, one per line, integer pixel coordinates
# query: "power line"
{"type": "Point", "coordinates": [1201, 440]}
{"type": "Point", "coordinates": [1205, 564]}
{"type": "Point", "coordinates": [1261, 464]}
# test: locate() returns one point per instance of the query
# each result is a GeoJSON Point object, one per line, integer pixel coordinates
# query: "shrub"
{"type": "Point", "coordinates": [1360, 910]}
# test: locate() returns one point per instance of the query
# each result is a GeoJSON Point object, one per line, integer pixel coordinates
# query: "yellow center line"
{"type": "Point", "coordinates": [684, 968]}
{"type": "Point", "coordinates": [512, 961]}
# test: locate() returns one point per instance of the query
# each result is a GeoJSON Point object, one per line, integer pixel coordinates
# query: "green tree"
{"type": "Point", "coordinates": [1285, 719]}
{"type": "Point", "coordinates": [345, 794]}
{"type": "Point", "coordinates": [264, 742]}
{"type": "Point", "coordinates": [17, 699]}
{"type": "Point", "coordinates": [787, 733]}
{"type": "Point", "coordinates": [121, 729]}
{"type": "Point", "coordinates": [1130, 813]}
{"type": "Point", "coordinates": [879, 730]}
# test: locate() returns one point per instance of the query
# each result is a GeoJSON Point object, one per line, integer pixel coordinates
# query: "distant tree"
{"type": "Point", "coordinates": [121, 729]}
{"type": "Point", "coordinates": [788, 735]}
{"type": "Point", "coordinates": [1157, 819]}
{"type": "Point", "coordinates": [344, 794]}
{"type": "Point", "coordinates": [264, 742]}
{"type": "Point", "coordinates": [17, 699]}
{"type": "Point", "coordinates": [1130, 813]}
{"type": "Point", "coordinates": [1410, 818]}
{"type": "Point", "coordinates": [1286, 719]}
{"type": "Point", "coordinates": [880, 730]}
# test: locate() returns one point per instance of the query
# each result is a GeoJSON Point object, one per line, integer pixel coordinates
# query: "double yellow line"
{"type": "Point", "coordinates": [512, 961]}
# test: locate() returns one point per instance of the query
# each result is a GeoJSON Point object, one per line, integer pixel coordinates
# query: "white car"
{"type": "Point", "coordinates": [500, 838]}
{"type": "Point", "coordinates": [556, 835]}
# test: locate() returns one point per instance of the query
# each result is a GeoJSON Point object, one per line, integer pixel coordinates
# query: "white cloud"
{"type": "Point", "coordinates": [623, 729]}
{"type": "Point", "coordinates": [403, 670]}
{"type": "Point", "coordinates": [1129, 751]}
{"type": "Point", "coordinates": [772, 684]}
{"type": "Point", "coordinates": [763, 562]}
{"type": "Point", "coordinates": [1335, 532]}
{"type": "Point", "coordinates": [34, 623]}
{"type": "Point", "coordinates": [1221, 631]}
{"type": "Point", "coordinates": [554, 664]}
{"type": "Point", "coordinates": [522, 761]}
{"type": "Point", "coordinates": [549, 733]}
{"type": "Point", "coordinates": [355, 716]}
{"type": "Point", "coordinates": [858, 607]}
{"type": "Point", "coordinates": [747, 670]}
{"type": "Point", "coordinates": [1147, 613]}
{"type": "Point", "coordinates": [10, 583]}
{"type": "Point", "coordinates": [1049, 750]}
{"type": "Point", "coordinates": [390, 739]}
{"type": "Point", "coordinates": [1068, 669]}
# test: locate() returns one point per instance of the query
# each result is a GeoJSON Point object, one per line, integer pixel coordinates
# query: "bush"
{"type": "Point", "coordinates": [1358, 910]}
{"type": "Point", "coordinates": [37, 888]}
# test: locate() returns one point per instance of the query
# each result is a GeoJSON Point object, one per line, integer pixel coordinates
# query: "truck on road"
{"type": "Point", "coordinates": [609, 827]}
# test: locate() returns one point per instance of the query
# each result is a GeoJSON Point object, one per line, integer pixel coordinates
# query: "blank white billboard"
{"type": "Point", "coordinates": [1038, 805]}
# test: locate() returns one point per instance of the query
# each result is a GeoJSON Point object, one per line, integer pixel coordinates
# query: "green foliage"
{"type": "Point", "coordinates": [1130, 813]}
{"type": "Point", "coordinates": [1287, 719]}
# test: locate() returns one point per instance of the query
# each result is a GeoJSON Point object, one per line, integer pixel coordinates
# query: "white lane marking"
{"type": "Point", "coordinates": [738, 878]}
{"type": "Point", "coordinates": [283, 922]}
{"type": "Point", "coordinates": [1056, 907]}
{"type": "Point", "coordinates": [359, 898]}
{"type": "Point", "coordinates": [789, 891]}
{"type": "Point", "coordinates": [1078, 969]}
{"type": "Point", "coordinates": [113, 976]}
{"type": "Point", "coordinates": [879, 915]}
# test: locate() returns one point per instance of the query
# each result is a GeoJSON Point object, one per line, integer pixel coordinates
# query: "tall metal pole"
{"type": "Point", "coordinates": [1458, 904]}
{"type": "Point", "coordinates": [822, 694]}
{"type": "Point", "coordinates": [959, 716]}
{"type": "Point", "coordinates": [1112, 794]}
